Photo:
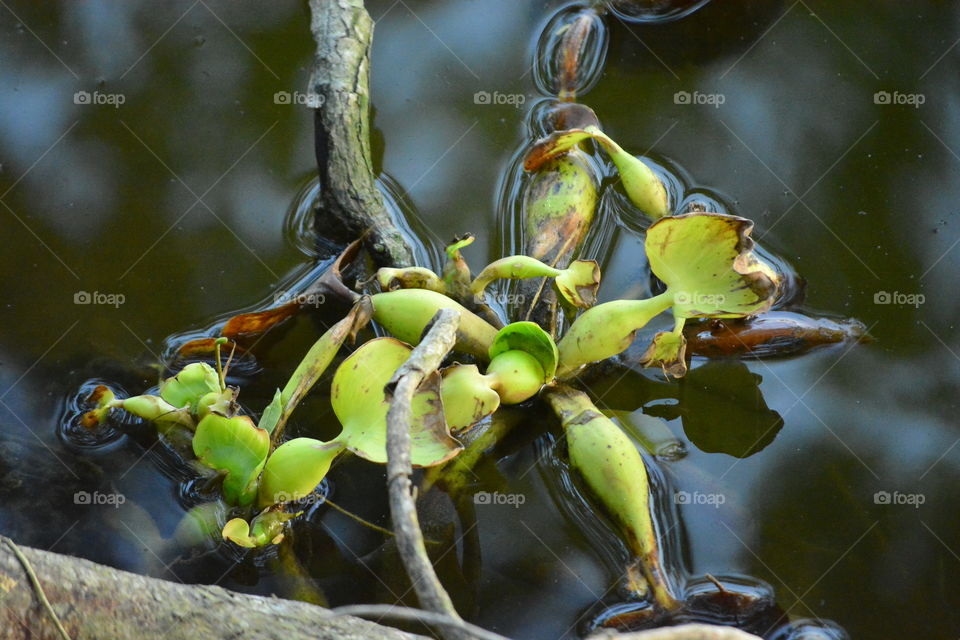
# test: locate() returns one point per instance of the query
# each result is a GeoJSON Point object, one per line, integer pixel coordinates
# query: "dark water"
{"type": "Point", "coordinates": [177, 200]}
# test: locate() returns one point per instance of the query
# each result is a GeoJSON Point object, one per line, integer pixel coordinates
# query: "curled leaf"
{"type": "Point", "coordinates": [708, 265]}
{"type": "Point", "coordinates": [236, 448]}
{"type": "Point", "coordinates": [409, 278]}
{"type": "Point", "coordinates": [267, 528]}
{"type": "Point", "coordinates": [361, 405]}
{"type": "Point", "coordinates": [579, 283]}
{"type": "Point", "coordinates": [467, 396]}
{"type": "Point", "coordinates": [194, 381]}
{"type": "Point", "coordinates": [667, 351]}
{"type": "Point", "coordinates": [248, 326]}
{"type": "Point", "coordinates": [530, 338]}
{"type": "Point", "coordinates": [772, 334]}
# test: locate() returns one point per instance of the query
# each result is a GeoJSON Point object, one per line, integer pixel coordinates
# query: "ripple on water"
{"type": "Point", "coordinates": [79, 438]}
{"type": "Point", "coordinates": [654, 11]}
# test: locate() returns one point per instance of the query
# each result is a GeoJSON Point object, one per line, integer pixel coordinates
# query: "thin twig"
{"type": "Point", "coordinates": [357, 518]}
{"type": "Point", "coordinates": [37, 588]}
{"type": "Point", "coordinates": [423, 360]}
{"type": "Point", "coordinates": [416, 615]}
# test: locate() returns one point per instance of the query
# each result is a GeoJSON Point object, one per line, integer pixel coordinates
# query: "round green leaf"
{"type": "Point", "coordinates": [359, 401]}
{"type": "Point", "coordinates": [467, 396]}
{"type": "Point", "coordinates": [192, 383]}
{"type": "Point", "coordinates": [529, 338]}
{"type": "Point", "coordinates": [708, 265]}
{"type": "Point", "coordinates": [236, 447]}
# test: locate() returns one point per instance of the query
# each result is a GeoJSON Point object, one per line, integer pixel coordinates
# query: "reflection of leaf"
{"type": "Point", "coordinates": [724, 411]}
{"type": "Point", "coordinates": [361, 405]}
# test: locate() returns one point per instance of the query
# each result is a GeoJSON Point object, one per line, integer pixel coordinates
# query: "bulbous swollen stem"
{"type": "Point", "coordinates": [515, 375]}
{"type": "Point", "coordinates": [513, 267]}
{"type": "Point", "coordinates": [607, 330]}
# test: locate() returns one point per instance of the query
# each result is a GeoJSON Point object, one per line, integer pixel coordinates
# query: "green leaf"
{"type": "Point", "coordinates": [267, 529]}
{"type": "Point", "coordinates": [708, 265]}
{"type": "Point", "coordinates": [294, 470]}
{"type": "Point", "coordinates": [235, 447]}
{"type": "Point", "coordinates": [668, 350]}
{"type": "Point", "coordinates": [467, 396]}
{"type": "Point", "coordinates": [192, 383]}
{"type": "Point", "coordinates": [579, 283]}
{"type": "Point", "coordinates": [271, 415]}
{"type": "Point", "coordinates": [318, 358]}
{"type": "Point", "coordinates": [360, 403]}
{"type": "Point", "coordinates": [530, 338]}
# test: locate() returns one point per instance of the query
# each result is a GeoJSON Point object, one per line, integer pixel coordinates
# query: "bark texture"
{"type": "Point", "coordinates": [95, 602]}
{"type": "Point", "coordinates": [339, 93]}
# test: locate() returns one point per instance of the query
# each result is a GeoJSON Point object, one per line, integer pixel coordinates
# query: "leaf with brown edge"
{"type": "Point", "coordinates": [708, 265]}
{"type": "Point", "coordinates": [360, 403]}
{"type": "Point", "coordinates": [579, 283]}
{"type": "Point", "coordinates": [668, 351]}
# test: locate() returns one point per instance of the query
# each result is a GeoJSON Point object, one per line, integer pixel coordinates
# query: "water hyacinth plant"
{"type": "Point", "coordinates": [705, 260]}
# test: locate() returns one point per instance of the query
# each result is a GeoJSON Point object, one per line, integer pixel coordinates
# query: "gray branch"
{"type": "Point", "coordinates": [424, 360]}
{"type": "Point", "coordinates": [95, 602]}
